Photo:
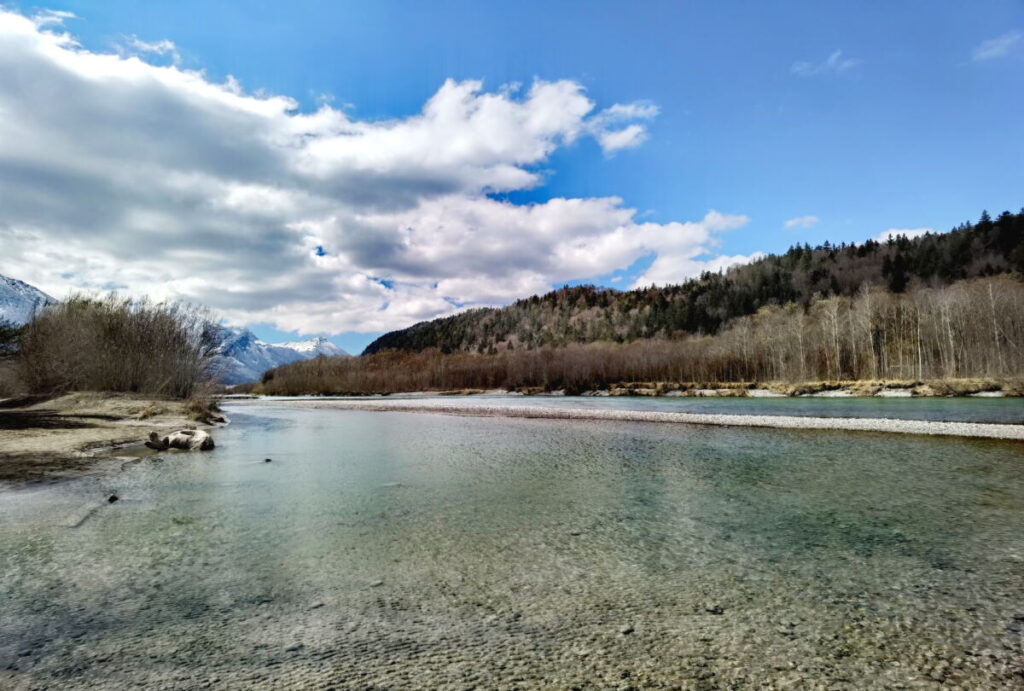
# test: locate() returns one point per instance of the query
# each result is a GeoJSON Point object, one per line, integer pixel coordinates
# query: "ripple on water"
{"type": "Point", "coordinates": [423, 550]}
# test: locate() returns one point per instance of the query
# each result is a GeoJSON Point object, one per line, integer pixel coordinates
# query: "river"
{"type": "Point", "coordinates": [399, 549]}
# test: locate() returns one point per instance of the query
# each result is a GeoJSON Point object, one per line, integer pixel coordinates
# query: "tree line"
{"type": "Point", "coordinates": [972, 328]}
{"type": "Point", "coordinates": [706, 305]}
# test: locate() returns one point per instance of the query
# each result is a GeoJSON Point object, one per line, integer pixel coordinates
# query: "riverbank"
{"type": "Point", "coordinates": [883, 388]}
{"type": "Point", "coordinates": [68, 436]}
{"type": "Point", "coordinates": [455, 407]}
{"type": "Point", "coordinates": [859, 388]}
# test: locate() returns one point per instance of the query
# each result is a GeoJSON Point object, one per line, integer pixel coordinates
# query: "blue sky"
{"type": "Point", "coordinates": [865, 116]}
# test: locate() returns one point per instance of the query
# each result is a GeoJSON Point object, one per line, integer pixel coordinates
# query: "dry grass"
{"type": "Point", "coordinates": [11, 382]}
{"type": "Point", "coordinates": [115, 344]}
{"type": "Point", "coordinates": [151, 410]}
{"type": "Point", "coordinates": [203, 409]}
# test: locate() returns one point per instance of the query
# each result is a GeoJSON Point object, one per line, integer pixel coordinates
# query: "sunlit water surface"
{"type": "Point", "coordinates": [403, 549]}
{"type": "Point", "coordinates": [963, 409]}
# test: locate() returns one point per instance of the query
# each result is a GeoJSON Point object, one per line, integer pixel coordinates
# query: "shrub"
{"type": "Point", "coordinates": [116, 344]}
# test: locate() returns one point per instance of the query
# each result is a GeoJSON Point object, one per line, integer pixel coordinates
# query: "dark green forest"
{"type": "Point", "coordinates": [704, 305]}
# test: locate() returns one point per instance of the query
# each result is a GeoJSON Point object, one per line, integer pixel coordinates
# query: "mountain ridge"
{"type": "Point", "coordinates": [706, 304]}
{"type": "Point", "coordinates": [19, 301]}
{"type": "Point", "coordinates": [242, 357]}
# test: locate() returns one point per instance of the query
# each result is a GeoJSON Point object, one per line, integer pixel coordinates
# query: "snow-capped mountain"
{"type": "Point", "coordinates": [19, 301]}
{"type": "Point", "coordinates": [238, 357]}
{"type": "Point", "coordinates": [241, 357]}
{"type": "Point", "coordinates": [313, 347]}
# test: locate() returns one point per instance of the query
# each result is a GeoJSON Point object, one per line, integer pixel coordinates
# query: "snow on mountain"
{"type": "Point", "coordinates": [238, 357]}
{"type": "Point", "coordinates": [313, 347]}
{"type": "Point", "coordinates": [241, 357]}
{"type": "Point", "coordinates": [19, 301]}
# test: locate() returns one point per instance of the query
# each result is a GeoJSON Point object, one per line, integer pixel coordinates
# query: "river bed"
{"type": "Point", "coordinates": [409, 549]}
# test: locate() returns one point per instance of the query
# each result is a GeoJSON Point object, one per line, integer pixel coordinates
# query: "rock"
{"type": "Point", "coordinates": [626, 630]}
{"type": "Point", "coordinates": [184, 439]}
{"type": "Point", "coordinates": [376, 584]}
{"type": "Point", "coordinates": [267, 460]}
{"type": "Point", "coordinates": [112, 498]}
{"type": "Point", "coordinates": [714, 609]}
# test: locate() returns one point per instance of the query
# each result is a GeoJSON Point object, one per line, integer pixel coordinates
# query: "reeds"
{"type": "Point", "coordinates": [116, 343]}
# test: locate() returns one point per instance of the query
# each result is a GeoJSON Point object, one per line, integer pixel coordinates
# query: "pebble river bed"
{"type": "Point", "coordinates": [402, 550]}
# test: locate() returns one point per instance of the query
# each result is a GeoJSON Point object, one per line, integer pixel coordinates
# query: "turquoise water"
{"type": "Point", "coordinates": [402, 549]}
{"type": "Point", "coordinates": [964, 409]}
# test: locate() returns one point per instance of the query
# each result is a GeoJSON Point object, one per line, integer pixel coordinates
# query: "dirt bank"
{"type": "Point", "coordinates": [67, 436]}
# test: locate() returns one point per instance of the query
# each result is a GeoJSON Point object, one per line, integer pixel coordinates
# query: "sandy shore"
{"type": "Point", "coordinates": [71, 435]}
{"type": "Point", "coordinates": [450, 407]}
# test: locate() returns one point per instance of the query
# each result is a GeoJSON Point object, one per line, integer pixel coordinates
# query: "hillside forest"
{"type": "Point", "coordinates": [704, 305]}
{"type": "Point", "coordinates": [935, 308]}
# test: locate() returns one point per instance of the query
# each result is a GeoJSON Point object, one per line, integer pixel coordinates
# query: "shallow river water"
{"type": "Point", "coordinates": [418, 550]}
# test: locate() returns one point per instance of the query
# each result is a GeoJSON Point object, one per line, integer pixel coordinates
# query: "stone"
{"type": "Point", "coordinates": [184, 439]}
{"type": "Point", "coordinates": [112, 498]}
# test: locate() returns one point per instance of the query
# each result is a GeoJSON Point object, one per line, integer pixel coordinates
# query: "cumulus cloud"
{"type": "Point", "coordinates": [801, 222]}
{"type": "Point", "coordinates": [833, 64]}
{"type": "Point", "coordinates": [116, 173]}
{"type": "Point", "coordinates": [894, 233]}
{"type": "Point", "coordinates": [996, 47]}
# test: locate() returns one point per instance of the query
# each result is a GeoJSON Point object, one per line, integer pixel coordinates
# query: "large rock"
{"type": "Point", "coordinates": [184, 439]}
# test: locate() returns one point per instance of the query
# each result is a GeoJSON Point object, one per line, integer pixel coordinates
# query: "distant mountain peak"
{"type": "Point", "coordinates": [19, 301]}
{"type": "Point", "coordinates": [242, 357]}
{"type": "Point", "coordinates": [314, 346]}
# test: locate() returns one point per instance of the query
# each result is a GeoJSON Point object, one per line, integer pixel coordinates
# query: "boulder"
{"type": "Point", "coordinates": [184, 439]}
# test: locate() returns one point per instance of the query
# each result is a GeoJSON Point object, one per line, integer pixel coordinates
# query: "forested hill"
{"type": "Point", "coordinates": [703, 305]}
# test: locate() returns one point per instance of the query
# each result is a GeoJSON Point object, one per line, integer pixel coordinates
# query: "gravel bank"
{"type": "Point", "coordinates": [72, 435]}
{"type": "Point", "coordinates": [927, 427]}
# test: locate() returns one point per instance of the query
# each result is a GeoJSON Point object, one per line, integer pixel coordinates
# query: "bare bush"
{"type": "Point", "coordinates": [115, 343]}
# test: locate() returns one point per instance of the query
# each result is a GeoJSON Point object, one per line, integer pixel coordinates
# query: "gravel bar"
{"type": "Point", "coordinates": [928, 427]}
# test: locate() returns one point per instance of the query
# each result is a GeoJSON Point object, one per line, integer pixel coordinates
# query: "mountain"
{"type": "Point", "coordinates": [704, 305]}
{"type": "Point", "coordinates": [240, 356]}
{"type": "Point", "coordinates": [19, 301]}
{"type": "Point", "coordinates": [314, 347]}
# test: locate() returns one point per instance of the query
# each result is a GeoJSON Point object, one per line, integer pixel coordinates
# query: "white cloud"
{"type": "Point", "coordinates": [627, 138]}
{"type": "Point", "coordinates": [801, 222]}
{"type": "Point", "coordinates": [996, 47]}
{"type": "Point", "coordinates": [631, 135]}
{"type": "Point", "coordinates": [136, 46]}
{"type": "Point", "coordinates": [51, 17]}
{"type": "Point", "coordinates": [893, 233]}
{"type": "Point", "coordinates": [833, 64]}
{"type": "Point", "coordinates": [684, 249]}
{"type": "Point", "coordinates": [118, 173]}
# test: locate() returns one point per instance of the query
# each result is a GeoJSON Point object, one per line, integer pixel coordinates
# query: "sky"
{"type": "Point", "coordinates": [349, 168]}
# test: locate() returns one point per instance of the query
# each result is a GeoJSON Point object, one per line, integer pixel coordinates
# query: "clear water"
{"type": "Point", "coordinates": [963, 409]}
{"type": "Point", "coordinates": [402, 549]}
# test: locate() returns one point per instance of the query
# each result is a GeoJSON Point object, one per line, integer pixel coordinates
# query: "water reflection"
{"type": "Point", "coordinates": [411, 549]}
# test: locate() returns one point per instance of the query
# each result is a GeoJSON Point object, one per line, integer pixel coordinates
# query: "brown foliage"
{"type": "Point", "coordinates": [970, 329]}
{"type": "Point", "coordinates": [115, 344]}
